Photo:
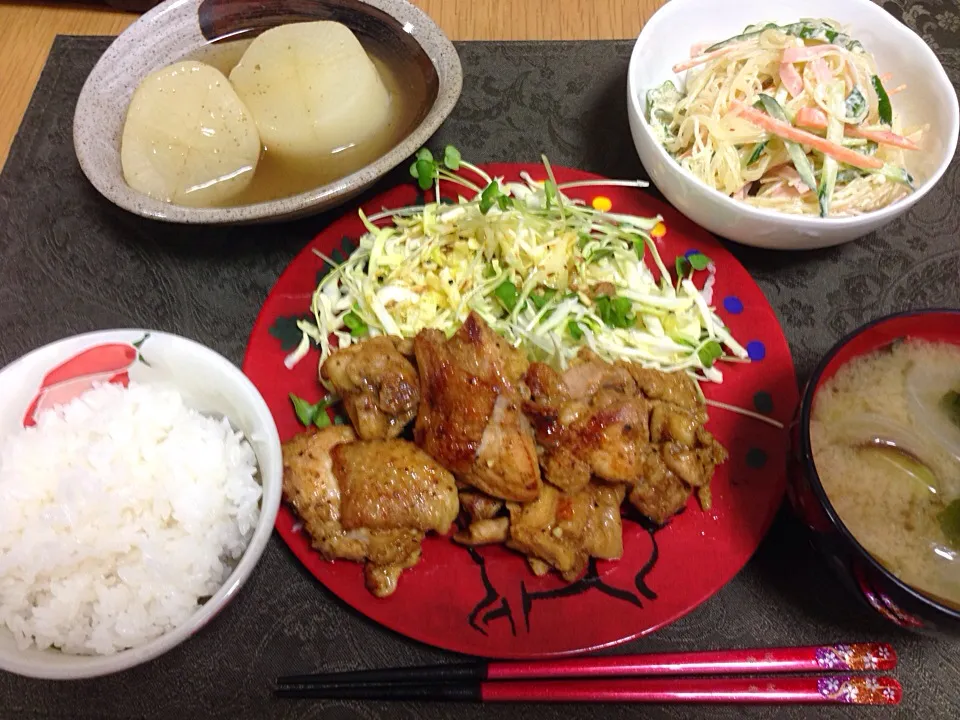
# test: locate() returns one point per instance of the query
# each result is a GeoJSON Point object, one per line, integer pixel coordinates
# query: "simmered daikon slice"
{"type": "Point", "coordinates": [188, 138]}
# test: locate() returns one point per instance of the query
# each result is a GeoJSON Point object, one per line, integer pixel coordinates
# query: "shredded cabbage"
{"type": "Point", "coordinates": [549, 273]}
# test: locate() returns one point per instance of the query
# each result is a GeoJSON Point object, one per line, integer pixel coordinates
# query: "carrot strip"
{"type": "Point", "coordinates": [805, 53]}
{"type": "Point", "coordinates": [791, 79]}
{"type": "Point", "coordinates": [771, 125]}
{"type": "Point", "coordinates": [886, 77]}
{"type": "Point", "coordinates": [882, 137]}
{"type": "Point", "coordinates": [706, 57]}
{"type": "Point", "coordinates": [812, 118]}
{"type": "Point", "coordinates": [897, 89]}
{"type": "Point", "coordinates": [815, 118]}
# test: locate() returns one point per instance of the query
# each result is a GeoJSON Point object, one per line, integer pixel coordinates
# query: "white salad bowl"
{"type": "Point", "coordinates": [210, 384]}
{"type": "Point", "coordinates": [930, 99]}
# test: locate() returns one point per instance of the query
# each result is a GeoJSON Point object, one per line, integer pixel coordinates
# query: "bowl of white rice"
{"type": "Point", "coordinates": [140, 477]}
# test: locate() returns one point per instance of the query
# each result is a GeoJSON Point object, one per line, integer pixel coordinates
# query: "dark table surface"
{"type": "Point", "coordinates": [71, 262]}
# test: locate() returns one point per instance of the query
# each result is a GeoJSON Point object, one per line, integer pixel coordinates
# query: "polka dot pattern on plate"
{"type": "Point", "coordinates": [756, 458]}
{"type": "Point", "coordinates": [732, 304]}
{"type": "Point", "coordinates": [602, 203]}
{"type": "Point", "coordinates": [763, 402]}
{"type": "Point", "coordinates": [756, 350]}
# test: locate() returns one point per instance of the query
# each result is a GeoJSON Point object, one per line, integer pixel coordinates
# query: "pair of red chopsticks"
{"type": "Point", "coordinates": [654, 678]}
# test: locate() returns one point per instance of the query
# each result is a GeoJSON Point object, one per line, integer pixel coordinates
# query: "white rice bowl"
{"type": "Point", "coordinates": [120, 513]}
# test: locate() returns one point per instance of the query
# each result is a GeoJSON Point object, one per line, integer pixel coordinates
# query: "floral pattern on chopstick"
{"type": "Point", "coordinates": [860, 690]}
{"type": "Point", "coordinates": [856, 656]}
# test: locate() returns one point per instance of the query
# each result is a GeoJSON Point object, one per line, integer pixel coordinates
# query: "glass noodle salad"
{"type": "Point", "coordinates": [549, 273]}
{"type": "Point", "coordinates": [794, 118]}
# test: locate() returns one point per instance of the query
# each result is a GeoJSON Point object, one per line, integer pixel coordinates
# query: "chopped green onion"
{"type": "Point", "coordinates": [356, 325]}
{"type": "Point", "coordinates": [315, 414]}
{"type": "Point", "coordinates": [710, 352]}
{"type": "Point", "coordinates": [615, 312]}
{"type": "Point", "coordinates": [539, 300]}
{"type": "Point", "coordinates": [507, 294]}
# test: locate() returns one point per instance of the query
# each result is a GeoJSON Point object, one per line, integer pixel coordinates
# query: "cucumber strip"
{"type": "Point", "coordinates": [896, 174]}
{"type": "Point", "coordinates": [661, 106]}
{"type": "Point", "coordinates": [855, 107]}
{"type": "Point", "coordinates": [747, 35]}
{"type": "Point", "coordinates": [828, 178]}
{"type": "Point", "coordinates": [817, 30]}
{"type": "Point", "coordinates": [884, 108]}
{"type": "Point", "coordinates": [849, 174]}
{"type": "Point", "coordinates": [806, 30]}
{"type": "Point", "coordinates": [800, 160]}
{"type": "Point", "coordinates": [757, 152]}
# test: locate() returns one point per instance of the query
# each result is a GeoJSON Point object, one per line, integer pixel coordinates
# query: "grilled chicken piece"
{"type": "Point", "coordinates": [676, 388]}
{"type": "Point", "coordinates": [683, 455]}
{"type": "Point", "coordinates": [379, 386]}
{"type": "Point", "coordinates": [601, 431]}
{"type": "Point", "coordinates": [507, 465]}
{"type": "Point", "coordinates": [381, 580]}
{"type": "Point", "coordinates": [604, 538]}
{"type": "Point", "coordinates": [546, 386]}
{"type": "Point", "coordinates": [367, 501]}
{"type": "Point", "coordinates": [481, 519]}
{"type": "Point", "coordinates": [391, 484]}
{"type": "Point", "coordinates": [311, 488]}
{"type": "Point", "coordinates": [660, 494]}
{"type": "Point", "coordinates": [484, 532]}
{"type": "Point", "coordinates": [623, 423]}
{"type": "Point", "coordinates": [566, 530]}
{"type": "Point", "coordinates": [470, 416]}
{"type": "Point", "coordinates": [537, 566]}
{"type": "Point", "coordinates": [588, 374]}
{"type": "Point", "coordinates": [670, 423]}
{"type": "Point", "coordinates": [477, 506]}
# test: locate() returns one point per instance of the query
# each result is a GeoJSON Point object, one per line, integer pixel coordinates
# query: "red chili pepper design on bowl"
{"type": "Point", "coordinates": [107, 363]}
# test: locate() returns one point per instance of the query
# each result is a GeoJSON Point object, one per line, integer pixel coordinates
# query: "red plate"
{"type": "Point", "coordinates": [487, 602]}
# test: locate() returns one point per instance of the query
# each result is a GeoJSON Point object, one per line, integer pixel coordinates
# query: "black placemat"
{"type": "Point", "coordinates": [71, 262]}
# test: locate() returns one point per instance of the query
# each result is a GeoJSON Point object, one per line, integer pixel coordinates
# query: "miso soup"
{"type": "Point", "coordinates": [885, 432]}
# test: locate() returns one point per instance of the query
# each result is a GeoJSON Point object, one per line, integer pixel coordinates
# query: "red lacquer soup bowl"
{"type": "Point", "coordinates": [878, 588]}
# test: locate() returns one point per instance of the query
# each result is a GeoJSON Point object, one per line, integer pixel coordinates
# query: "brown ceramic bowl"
{"type": "Point", "coordinates": [177, 28]}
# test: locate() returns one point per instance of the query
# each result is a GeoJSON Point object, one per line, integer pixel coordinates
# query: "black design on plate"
{"type": "Point", "coordinates": [286, 331]}
{"type": "Point", "coordinates": [490, 598]}
{"type": "Point", "coordinates": [488, 609]}
{"type": "Point", "coordinates": [641, 578]}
